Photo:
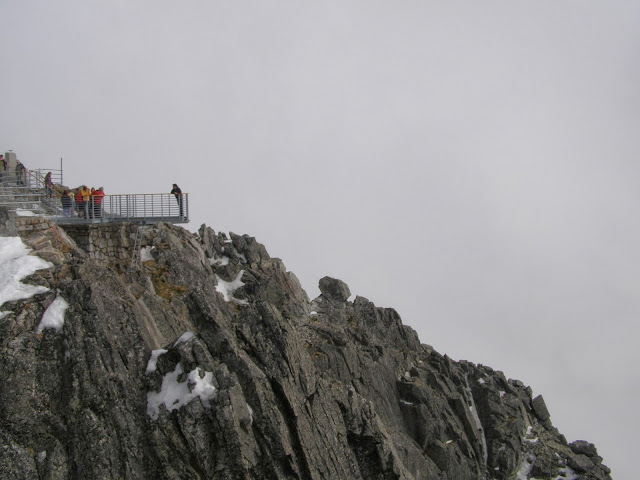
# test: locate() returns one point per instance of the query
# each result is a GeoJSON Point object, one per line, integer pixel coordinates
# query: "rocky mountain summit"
{"type": "Point", "coordinates": [174, 355]}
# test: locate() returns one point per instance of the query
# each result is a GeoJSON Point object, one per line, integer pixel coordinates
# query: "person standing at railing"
{"type": "Point", "coordinates": [178, 194]}
{"type": "Point", "coordinates": [66, 201]}
{"type": "Point", "coordinates": [20, 173]}
{"type": "Point", "coordinates": [48, 184]}
{"type": "Point", "coordinates": [79, 206]}
{"type": "Point", "coordinates": [82, 201]}
{"type": "Point", "coordinates": [3, 168]}
{"type": "Point", "coordinates": [86, 200]}
{"type": "Point", "coordinates": [97, 197]}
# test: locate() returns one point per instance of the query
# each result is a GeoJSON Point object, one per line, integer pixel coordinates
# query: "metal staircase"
{"type": "Point", "coordinates": [25, 193]}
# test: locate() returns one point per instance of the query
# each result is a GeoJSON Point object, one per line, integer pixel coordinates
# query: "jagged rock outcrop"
{"type": "Point", "coordinates": [206, 359]}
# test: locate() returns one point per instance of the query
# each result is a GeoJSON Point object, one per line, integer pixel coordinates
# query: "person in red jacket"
{"type": "Point", "coordinates": [97, 196]}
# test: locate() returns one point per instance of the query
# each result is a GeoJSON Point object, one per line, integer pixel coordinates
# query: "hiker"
{"type": "Point", "coordinates": [178, 194]}
{"type": "Point", "coordinates": [97, 196]}
{"type": "Point", "coordinates": [48, 184]}
{"type": "Point", "coordinates": [79, 201]}
{"type": "Point", "coordinates": [86, 200]}
{"type": "Point", "coordinates": [67, 202]}
{"type": "Point", "coordinates": [19, 173]}
{"type": "Point", "coordinates": [3, 168]}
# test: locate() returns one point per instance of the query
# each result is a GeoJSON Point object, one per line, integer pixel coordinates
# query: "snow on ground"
{"type": "Point", "coordinates": [15, 265]}
{"type": "Point", "coordinates": [526, 467]}
{"type": "Point", "coordinates": [227, 289]}
{"type": "Point", "coordinates": [186, 336]}
{"type": "Point", "coordinates": [476, 418]}
{"type": "Point", "coordinates": [145, 254]}
{"type": "Point", "coordinates": [21, 212]}
{"type": "Point", "coordinates": [153, 361]}
{"type": "Point", "coordinates": [567, 473]}
{"type": "Point", "coordinates": [219, 261]}
{"type": "Point", "coordinates": [174, 394]}
{"type": "Point", "coordinates": [53, 316]}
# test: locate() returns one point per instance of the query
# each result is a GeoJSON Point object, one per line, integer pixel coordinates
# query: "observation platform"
{"type": "Point", "coordinates": [147, 208]}
{"type": "Point", "coordinates": [27, 194]}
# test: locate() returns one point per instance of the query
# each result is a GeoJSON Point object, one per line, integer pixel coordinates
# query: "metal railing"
{"type": "Point", "coordinates": [11, 179]}
{"type": "Point", "coordinates": [41, 173]}
{"type": "Point", "coordinates": [20, 192]}
{"type": "Point", "coordinates": [143, 208]}
{"type": "Point", "coordinates": [25, 201]}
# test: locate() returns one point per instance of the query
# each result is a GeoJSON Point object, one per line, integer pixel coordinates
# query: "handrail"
{"type": "Point", "coordinates": [56, 174]}
{"type": "Point", "coordinates": [8, 178]}
{"type": "Point", "coordinates": [141, 207]}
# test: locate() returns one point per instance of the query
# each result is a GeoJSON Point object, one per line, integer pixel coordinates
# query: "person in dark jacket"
{"type": "Point", "coordinates": [48, 184]}
{"type": "Point", "coordinates": [67, 202]}
{"type": "Point", "coordinates": [178, 194]}
{"type": "Point", "coordinates": [3, 168]}
{"type": "Point", "coordinates": [20, 173]}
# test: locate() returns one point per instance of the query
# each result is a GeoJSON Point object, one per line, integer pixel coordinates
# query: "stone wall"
{"type": "Point", "coordinates": [31, 224]}
{"type": "Point", "coordinates": [109, 243]}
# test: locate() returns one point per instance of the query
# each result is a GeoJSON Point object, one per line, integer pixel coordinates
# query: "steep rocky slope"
{"type": "Point", "coordinates": [204, 358]}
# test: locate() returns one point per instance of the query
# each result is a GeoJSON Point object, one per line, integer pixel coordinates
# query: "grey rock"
{"type": "Point", "coordinates": [268, 388]}
{"type": "Point", "coordinates": [583, 447]}
{"type": "Point", "coordinates": [334, 289]}
{"type": "Point", "coordinates": [540, 408]}
{"type": "Point", "coordinates": [7, 225]}
{"type": "Point", "coordinates": [580, 463]}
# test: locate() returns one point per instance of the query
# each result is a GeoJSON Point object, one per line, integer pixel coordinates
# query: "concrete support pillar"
{"type": "Point", "coordinates": [11, 159]}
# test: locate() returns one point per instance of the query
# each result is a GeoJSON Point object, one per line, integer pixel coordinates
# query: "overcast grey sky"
{"type": "Point", "coordinates": [472, 164]}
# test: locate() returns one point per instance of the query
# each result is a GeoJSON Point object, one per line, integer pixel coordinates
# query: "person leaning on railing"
{"type": "Point", "coordinates": [177, 192]}
{"type": "Point", "coordinates": [97, 197]}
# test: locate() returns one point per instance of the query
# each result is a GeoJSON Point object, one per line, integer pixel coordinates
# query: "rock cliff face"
{"type": "Point", "coordinates": [204, 358]}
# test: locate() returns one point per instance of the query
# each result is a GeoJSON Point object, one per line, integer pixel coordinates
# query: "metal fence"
{"type": "Point", "coordinates": [41, 173]}
{"type": "Point", "coordinates": [143, 207]}
{"type": "Point", "coordinates": [25, 201]}
{"type": "Point", "coordinates": [11, 179]}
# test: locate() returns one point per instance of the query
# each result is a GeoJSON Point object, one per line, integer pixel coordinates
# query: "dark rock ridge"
{"type": "Point", "coordinates": [206, 359]}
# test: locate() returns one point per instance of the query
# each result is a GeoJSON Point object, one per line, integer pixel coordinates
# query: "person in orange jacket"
{"type": "Point", "coordinates": [79, 203]}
